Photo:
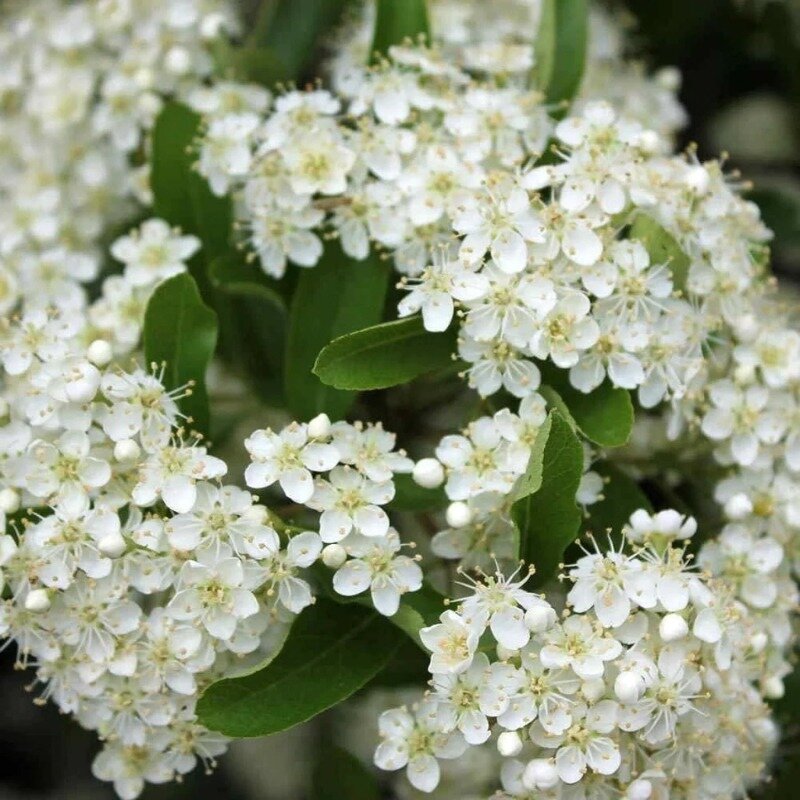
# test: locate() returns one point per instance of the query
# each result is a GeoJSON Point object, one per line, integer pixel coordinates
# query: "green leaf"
{"type": "Point", "coordinates": [181, 195]}
{"type": "Point", "coordinates": [336, 297]}
{"type": "Point", "coordinates": [339, 774]}
{"type": "Point", "coordinates": [331, 652]}
{"type": "Point", "coordinates": [548, 520]}
{"type": "Point", "coordinates": [181, 331]}
{"type": "Point", "coordinates": [384, 355]}
{"type": "Point", "coordinates": [621, 497]}
{"type": "Point", "coordinates": [560, 50]}
{"type": "Point", "coordinates": [397, 20]}
{"type": "Point", "coordinates": [410, 496]}
{"type": "Point", "coordinates": [662, 247]}
{"type": "Point", "coordinates": [604, 416]}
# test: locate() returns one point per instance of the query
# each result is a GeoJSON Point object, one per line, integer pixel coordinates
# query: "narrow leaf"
{"type": "Point", "coordinates": [604, 416]}
{"type": "Point", "coordinates": [662, 247]}
{"type": "Point", "coordinates": [181, 331]}
{"type": "Point", "coordinates": [384, 355]}
{"type": "Point", "coordinates": [331, 652]}
{"type": "Point", "coordinates": [336, 297]}
{"type": "Point", "coordinates": [560, 50]}
{"type": "Point", "coordinates": [548, 520]}
{"type": "Point", "coordinates": [397, 20]}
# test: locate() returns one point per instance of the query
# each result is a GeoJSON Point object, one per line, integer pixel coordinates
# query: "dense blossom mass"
{"type": "Point", "coordinates": [143, 572]}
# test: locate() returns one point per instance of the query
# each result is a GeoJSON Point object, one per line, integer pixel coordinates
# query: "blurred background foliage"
{"type": "Point", "coordinates": [740, 61]}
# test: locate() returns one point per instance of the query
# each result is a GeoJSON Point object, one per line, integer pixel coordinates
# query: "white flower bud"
{"type": "Point", "coordinates": [458, 514]}
{"type": "Point", "coordinates": [738, 507]}
{"type": "Point", "coordinates": [593, 689]}
{"type": "Point", "coordinates": [639, 790]}
{"type": "Point", "coordinates": [773, 688]}
{"type": "Point", "coordinates": [505, 653]}
{"type": "Point", "coordinates": [178, 61]}
{"type": "Point", "coordinates": [758, 641]}
{"type": "Point", "coordinates": [127, 450]}
{"type": "Point", "coordinates": [257, 514]}
{"type": "Point", "coordinates": [38, 600]}
{"type": "Point", "coordinates": [509, 744]}
{"type": "Point", "coordinates": [9, 501]}
{"type": "Point", "coordinates": [144, 77]}
{"type": "Point", "coordinates": [112, 545]}
{"type": "Point", "coordinates": [697, 179]}
{"type": "Point", "coordinates": [333, 556]}
{"type": "Point", "coordinates": [669, 78]}
{"type": "Point", "coordinates": [428, 473]}
{"type": "Point", "coordinates": [540, 618]}
{"type": "Point", "coordinates": [628, 687]}
{"type": "Point", "coordinates": [319, 427]}
{"type": "Point", "coordinates": [649, 141]}
{"type": "Point", "coordinates": [540, 774]}
{"type": "Point", "coordinates": [100, 353]}
{"type": "Point", "coordinates": [673, 627]}
{"type": "Point", "coordinates": [211, 25]}
{"type": "Point", "coordinates": [744, 374]}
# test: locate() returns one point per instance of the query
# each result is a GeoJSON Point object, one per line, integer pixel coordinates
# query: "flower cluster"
{"type": "Point", "coordinates": [640, 689]}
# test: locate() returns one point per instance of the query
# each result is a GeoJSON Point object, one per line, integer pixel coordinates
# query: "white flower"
{"type": "Point", "coordinates": [500, 222]}
{"type": "Point", "coordinates": [350, 502]}
{"type": "Point", "coordinates": [376, 566]}
{"type": "Point", "coordinates": [172, 472]}
{"type": "Point", "coordinates": [153, 252]}
{"type": "Point", "coordinates": [318, 162]}
{"type": "Point", "coordinates": [662, 527]}
{"type": "Point", "coordinates": [578, 645]}
{"type": "Point", "coordinates": [435, 291]}
{"type": "Point", "coordinates": [225, 152]}
{"type": "Point", "coordinates": [278, 234]}
{"type": "Point", "coordinates": [302, 551]}
{"type": "Point", "coordinates": [370, 449]}
{"type": "Point", "coordinates": [452, 642]}
{"type": "Point", "coordinates": [213, 591]}
{"type": "Point", "coordinates": [288, 457]}
{"type": "Point", "coordinates": [567, 330]}
{"type": "Point", "coordinates": [415, 741]}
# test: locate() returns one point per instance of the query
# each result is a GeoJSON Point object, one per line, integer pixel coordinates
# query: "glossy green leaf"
{"type": "Point", "coordinates": [621, 497]}
{"type": "Point", "coordinates": [604, 416]}
{"type": "Point", "coordinates": [560, 50]}
{"type": "Point", "coordinates": [181, 331]}
{"type": "Point", "coordinates": [336, 297]}
{"type": "Point", "coordinates": [180, 194]}
{"type": "Point", "coordinates": [398, 20]}
{"type": "Point", "coordinates": [410, 496]}
{"type": "Point", "coordinates": [384, 355]}
{"type": "Point", "coordinates": [339, 775]}
{"type": "Point", "coordinates": [330, 653]}
{"type": "Point", "coordinates": [548, 519]}
{"type": "Point", "coordinates": [662, 247]}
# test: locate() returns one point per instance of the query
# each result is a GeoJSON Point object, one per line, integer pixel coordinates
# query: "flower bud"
{"type": "Point", "coordinates": [758, 641]}
{"type": "Point", "coordinates": [540, 618]}
{"type": "Point", "coordinates": [628, 687]}
{"type": "Point", "coordinates": [593, 689]}
{"type": "Point", "coordinates": [127, 450]}
{"type": "Point", "coordinates": [505, 653]}
{"type": "Point", "coordinates": [112, 544]}
{"type": "Point", "coordinates": [458, 514]}
{"type": "Point", "coordinates": [669, 78]}
{"type": "Point", "coordinates": [639, 790]}
{"type": "Point", "coordinates": [177, 61]}
{"type": "Point", "coordinates": [738, 507]}
{"type": "Point", "coordinates": [38, 600]}
{"type": "Point", "coordinates": [428, 473]}
{"type": "Point", "coordinates": [9, 500]}
{"type": "Point", "coordinates": [649, 141]}
{"type": "Point", "coordinates": [540, 774]}
{"type": "Point", "coordinates": [697, 180]}
{"type": "Point", "coordinates": [509, 744]}
{"type": "Point", "coordinates": [333, 556]}
{"type": "Point", "coordinates": [773, 688]}
{"type": "Point", "coordinates": [100, 353]}
{"type": "Point", "coordinates": [319, 427]}
{"type": "Point", "coordinates": [673, 627]}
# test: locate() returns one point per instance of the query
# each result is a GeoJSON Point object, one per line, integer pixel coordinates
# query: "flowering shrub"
{"type": "Point", "coordinates": [588, 366]}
